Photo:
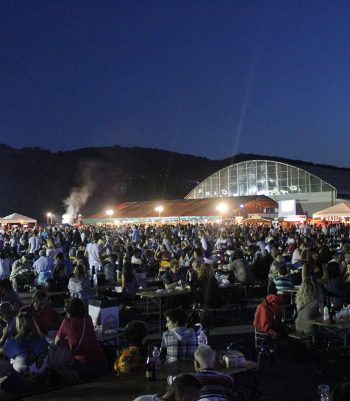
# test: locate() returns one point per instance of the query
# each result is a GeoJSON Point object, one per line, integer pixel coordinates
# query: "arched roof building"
{"type": "Point", "coordinates": [277, 180]}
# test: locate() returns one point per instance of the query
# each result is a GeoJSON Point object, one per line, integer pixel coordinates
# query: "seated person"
{"type": "Point", "coordinates": [334, 286]}
{"type": "Point", "coordinates": [192, 273]}
{"type": "Point", "coordinates": [43, 268]}
{"type": "Point", "coordinates": [282, 282]}
{"type": "Point", "coordinates": [79, 285]}
{"type": "Point", "coordinates": [171, 276]}
{"type": "Point", "coordinates": [27, 350]}
{"type": "Point", "coordinates": [133, 356]}
{"type": "Point", "coordinates": [179, 342]}
{"type": "Point", "coordinates": [7, 294]}
{"type": "Point", "coordinates": [185, 387]}
{"type": "Point", "coordinates": [45, 315]}
{"type": "Point", "coordinates": [162, 254]}
{"type": "Point", "coordinates": [136, 258]}
{"type": "Point", "coordinates": [60, 276]}
{"type": "Point", "coordinates": [215, 385]}
{"type": "Point", "coordinates": [268, 316]}
{"type": "Point", "coordinates": [130, 285]}
{"type": "Point", "coordinates": [110, 269]}
{"type": "Point", "coordinates": [77, 333]}
{"type": "Point", "coordinates": [22, 272]}
{"type": "Point", "coordinates": [8, 319]}
{"type": "Point", "coordinates": [308, 303]}
{"type": "Point", "coordinates": [240, 267]}
{"type": "Point", "coordinates": [208, 288]}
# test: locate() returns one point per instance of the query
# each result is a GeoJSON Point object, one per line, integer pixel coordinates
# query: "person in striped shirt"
{"type": "Point", "coordinates": [216, 386]}
{"type": "Point", "coordinates": [282, 281]}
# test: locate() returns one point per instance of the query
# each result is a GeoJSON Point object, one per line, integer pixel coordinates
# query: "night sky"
{"type": "Point", "coordinates": [212, 78]}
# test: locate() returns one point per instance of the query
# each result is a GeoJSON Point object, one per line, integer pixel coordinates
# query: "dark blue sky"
{"type": "Point", "coordinates": [211, 78]}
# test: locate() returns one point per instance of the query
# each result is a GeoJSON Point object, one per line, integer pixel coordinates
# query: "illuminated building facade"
{"type": "Point", "coordinates": [277, 180]}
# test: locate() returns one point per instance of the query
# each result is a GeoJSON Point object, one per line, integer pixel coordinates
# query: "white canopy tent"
{"type": "Point", "coordinates": [341, 210]}
{"type": "Point", "coordinates": [16, 218]}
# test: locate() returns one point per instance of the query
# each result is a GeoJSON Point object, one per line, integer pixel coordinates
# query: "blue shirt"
{"type": "Point", "coordinates": [43, 267]}
{"type": "Point", "coordinates": [13, 348]}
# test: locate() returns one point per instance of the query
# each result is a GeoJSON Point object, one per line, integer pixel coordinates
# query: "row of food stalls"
{"type": "Point", "coordinates": [210, 210]}
{"type": "Point", "coordinates": [255, 210]}
{"type": "Point", "coordinates": [247, 211]}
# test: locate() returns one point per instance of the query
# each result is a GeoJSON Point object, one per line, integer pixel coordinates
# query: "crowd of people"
{"type": "Point", "coordinates": [79, 259]}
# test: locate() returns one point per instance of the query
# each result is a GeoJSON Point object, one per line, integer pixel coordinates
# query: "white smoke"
{"type": "Point", "coordinates": [79, 195]}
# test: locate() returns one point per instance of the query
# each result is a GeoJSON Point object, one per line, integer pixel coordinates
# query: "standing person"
{"type": "Point", "coordinates": [77, 333]}
{"type": "Point", "coordinates": [35, 242]}
{"type": "Point", "coordinates": [93, 253]}
{"type": "Point", "coordinates": [135, 235]}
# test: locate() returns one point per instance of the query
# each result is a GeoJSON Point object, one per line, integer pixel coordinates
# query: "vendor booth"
{"type": "Point", "coordinates": [16, 218]}
{"type": "Point", "coordinates": [341, 211]}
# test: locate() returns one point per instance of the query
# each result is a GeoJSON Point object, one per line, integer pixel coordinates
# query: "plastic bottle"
{"type": "Point", "coordinates": [92, 276]}
{"type": "Point", "coordinates": [332, 314]}
{"type": "Point", "coordinates": [325, 313]}
{"type": "Point", "coordinates": [202, 338]}
{"type": "Point", "coordinates": [343, 313]}
{"type": "Point", "coordinates": [230, 347]}
{"type": "Point", "coordinates": [95, 280]}
{"type": "Point", "coordinates": [156, 357]}
{"type": "Point", "coordinates": [150, 368]}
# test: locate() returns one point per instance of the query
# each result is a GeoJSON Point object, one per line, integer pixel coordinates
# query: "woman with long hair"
{"type": "Point", "coordinates": [308, 303]}
{"type": "Point", "coordinates": [130, 284]}
{"type": "Point", "coordinates": [79, 285]}
{"type": "Point", "coordinates": [27, 350]}
{"type": "Point", "coordinates": [208, 287]}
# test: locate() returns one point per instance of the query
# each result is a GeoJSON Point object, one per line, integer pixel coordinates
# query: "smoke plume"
{"type": "Point", "coordinates": [81, 194]}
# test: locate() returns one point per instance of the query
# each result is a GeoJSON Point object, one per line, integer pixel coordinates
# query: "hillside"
{"type": "Point", "coordinates": [34, 180]}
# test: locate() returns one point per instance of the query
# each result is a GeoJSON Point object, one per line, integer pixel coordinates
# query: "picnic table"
{"type": "Point", "coordinates": [126, 387]}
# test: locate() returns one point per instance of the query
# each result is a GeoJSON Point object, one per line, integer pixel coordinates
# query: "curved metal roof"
{"type": "Point", "coordinates": [317, 172]}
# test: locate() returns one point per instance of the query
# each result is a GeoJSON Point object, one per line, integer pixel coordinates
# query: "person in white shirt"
{"type": "Point", "coordinates": [93, 253]}
{"type": "Point", "coordinates": [34, 243]}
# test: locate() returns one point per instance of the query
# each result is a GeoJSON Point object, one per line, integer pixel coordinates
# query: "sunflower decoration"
{"type": "Point", "coordinates": [128, 360]}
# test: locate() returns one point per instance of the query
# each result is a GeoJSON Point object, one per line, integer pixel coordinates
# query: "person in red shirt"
{"type": "Point", "coordinates": [47, 318]}
{"type": "Point", "coordinates": [77, 333]}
